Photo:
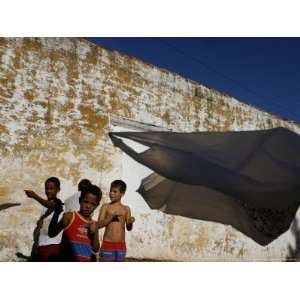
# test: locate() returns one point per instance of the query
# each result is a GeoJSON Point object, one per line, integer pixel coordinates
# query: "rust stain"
{"type": "Point", "coordinates": [18, 60]}
{"type": "Point", "coordinates": [124, 75]}
{"type": "Point", "coordinates": [4, 193]}
{"type": "Point", "coordinates": [115, 103]}
{"type": "Point", "coordinates": [92, 56]}
{"type": "Point", "coordinates": [87, 92]}
{"type": "Point", "coordinates": [4, 150]}
{"type": "Point", "coordinates": [196, 103]}
{"type": "Point", "coordinates": [31, 44]}
{"type": "Point", "coordinates": [74, 133]}
{"type": "Point", "coordinates": [7, 84]}
{"type": "Point", "coordinates": [101, 101]}
{"type": "Point", "coordinates": [3, 129]}
{"type": "Point", "coordinates": [121, 106]}
{"type": "Point", "coordinates": [166, 117]}
{"type": "Point", "coordinates": [4, 42]}
{"type": "Point", "coordinates": [92, 120]}
{"type": "Point", "coordinates": [19, 147]}
{"type": "Point", "coordinates": [29, 95]}
{"type": "Point", "coordinates": [48, 116]}
{"type": "Point", "coordinates": [56, 56]}
{"type": "Point", "coordinates": [71, 94]}
{"type": "Point", "coordinates": [67, 107]}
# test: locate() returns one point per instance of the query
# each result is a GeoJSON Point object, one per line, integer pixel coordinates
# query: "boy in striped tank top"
{"type": "Point", "coordinates": [115, 216]}
{"type": "Point", "coordinates": [80, 239]}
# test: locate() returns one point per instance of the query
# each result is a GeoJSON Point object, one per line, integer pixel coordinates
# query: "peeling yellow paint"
{"type": "Point", "coordinates": [92, 56]}
{"type": "Point", "coordinates": [91, 119]}
{"type": "Point", "coordinates": [48, 116]}
{"type": "Point", "coordinates": [31, 44]}
{"type": "Point", "coordinates": [3, 129]}
{"type": "Point", "coordinates": [4, 193]}
{"type": "Point", "coordinates": [7, 85]}
{"type": "Point", "coordinates": [124, 75]}
{"type": "Point", "coordinates": [29, 95]}
{"type": "Point", "coordinates": [17, 60]}
{"type": "Point", "coordinates": [71, 93]}
{"type": "Point", "coordinates": [67, 107]}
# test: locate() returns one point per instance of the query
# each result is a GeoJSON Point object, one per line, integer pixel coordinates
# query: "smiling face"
{"type": "Point", "coordinates": [88, 204]}
{"type": "Point", "coordinates": [51, 190]}
{"type": "Point", "coordinates": [115, 194]}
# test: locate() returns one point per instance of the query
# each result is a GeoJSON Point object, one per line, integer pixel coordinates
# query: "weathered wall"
{"type": "Point", "coordinates": [56, 95]}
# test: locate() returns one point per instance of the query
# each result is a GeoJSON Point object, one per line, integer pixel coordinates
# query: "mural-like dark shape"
{"type": "Point", "coordinates": [8, 205]}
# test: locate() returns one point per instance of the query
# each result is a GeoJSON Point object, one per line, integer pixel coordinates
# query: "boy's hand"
{"type": "Point", "coordinates": [30, 194]}
{"type": "Point", "coordinates": [39, 223]}
{"type": "Point", "coordinates": [115, 218]}
{"type": "Point", "coordinates": [129, 223]}
{"type": "Point", "coordinates": [131, 220]}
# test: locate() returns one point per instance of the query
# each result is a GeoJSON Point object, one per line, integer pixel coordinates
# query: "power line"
{"type": "Point", "coordinates": [207, 66]}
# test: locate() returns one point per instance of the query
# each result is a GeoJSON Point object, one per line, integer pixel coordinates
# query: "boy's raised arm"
{"type": "Point", "coordinates": [33, 195]}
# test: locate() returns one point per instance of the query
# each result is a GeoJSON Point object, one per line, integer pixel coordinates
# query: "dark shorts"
{"type": "Point", "coordinates": [48, 252]}
{"type": "Point", "coordinates": [112, 251]}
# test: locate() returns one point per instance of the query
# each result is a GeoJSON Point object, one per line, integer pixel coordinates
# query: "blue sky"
{"type": "Point", "coordinates": [264, 72]}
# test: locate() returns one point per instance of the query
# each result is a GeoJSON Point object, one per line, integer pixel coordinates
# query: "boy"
{"type": "Point", "coordinates": [114, 216]}
{"type": "Point", "coordinates": [72, 203]}
{"type": "Point", "coordinates": [80, 239]}
{"type": "Point", "coordinates": [47, 248]}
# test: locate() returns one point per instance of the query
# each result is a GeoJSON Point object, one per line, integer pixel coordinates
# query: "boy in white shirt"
{"type": "Point", "coordinates": [48, 248]}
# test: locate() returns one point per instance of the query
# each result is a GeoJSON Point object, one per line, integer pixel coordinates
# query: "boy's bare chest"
{"type": "Point", "coordinates": [117, 211]}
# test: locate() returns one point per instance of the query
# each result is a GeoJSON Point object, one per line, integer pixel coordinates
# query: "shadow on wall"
{"type": "Point", "coordinates": [8, 205]}
{"type": "Point", "coordinates": [294, 254]}
{"type": "Point", "coordinates": [32, 257]}
{"type": "Point", "coordinates": [34, 249]}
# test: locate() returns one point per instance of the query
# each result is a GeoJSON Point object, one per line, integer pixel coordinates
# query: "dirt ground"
{"type": "Point", "coordinates": [132, 259]}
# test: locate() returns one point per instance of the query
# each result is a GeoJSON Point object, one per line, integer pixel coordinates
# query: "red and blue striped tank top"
{"type": "Point", "coordinates": [76, 244]}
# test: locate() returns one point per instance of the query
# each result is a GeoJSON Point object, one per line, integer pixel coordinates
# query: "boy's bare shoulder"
{"type": "Point", "coordinates": [68, 215]}
{"type": "Point", "coordinates": [105, 206]}
{"type": "Point", "coordinates": [126, 207]}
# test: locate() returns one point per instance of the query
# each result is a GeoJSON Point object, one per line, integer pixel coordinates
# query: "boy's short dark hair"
{"type": "Point", "coordinates": [119, 184]}
{"type": "Point", "coordinates": [83, 184]}
{"type": "Point", "coordinates": [91, 189]}
{"type": "Point", "coordinates": [55, 180]}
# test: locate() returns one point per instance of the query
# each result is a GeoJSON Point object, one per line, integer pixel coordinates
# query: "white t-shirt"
{"type": "Point", "coordinates": [72, 203]}
{"type": "Point", "coordinates": [44, 238]}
